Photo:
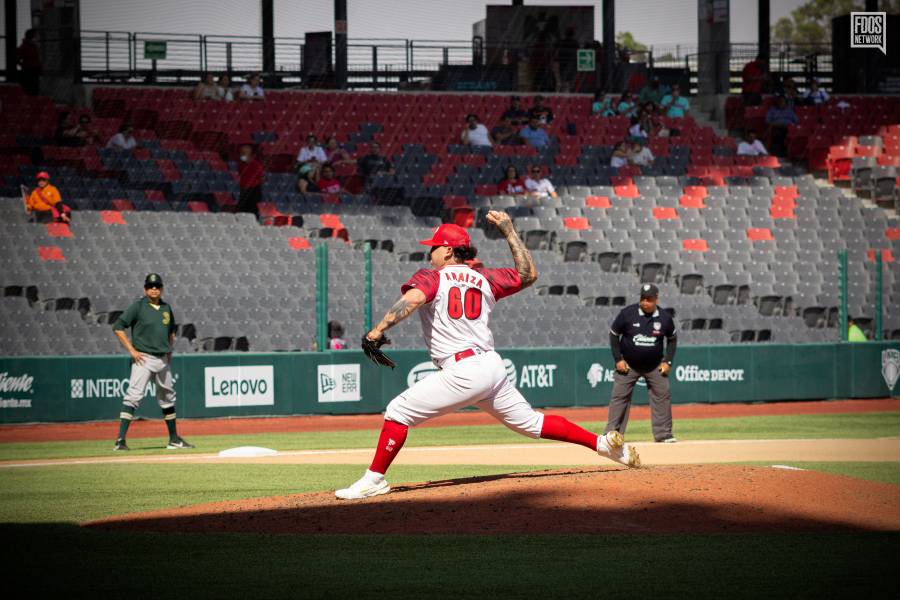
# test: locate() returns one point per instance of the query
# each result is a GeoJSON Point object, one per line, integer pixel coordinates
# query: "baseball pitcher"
{"type": "Point", "coordinates": [454, 303]}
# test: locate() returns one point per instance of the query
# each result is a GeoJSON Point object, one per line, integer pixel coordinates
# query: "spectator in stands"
{"type": "Point", "coordinates": [621, 154]}
{"type": "Point", "coordinates": [336, 339]}
{"type": "Point", "coordinates": [252, 90]}
{"type": "Point", "coordinates": [674, 105]}
{"type": "Point", "coordinates": [475, 133]}
{"type": "Point", "coordinates": [81, 133]}
{"type": "Point", "coordinates": [753, 78]}
{"type": "Point", "coordinates": [750, 146]}
{"type": "Point", "coordinates": [779, 118]}
{"type": "Point", "coordinates": [28, 57]}
{"type": "Point", "coordinates": [223, 88]}
{"type": "Point", "coordinates": [651, 122]}
{"type": "Point", "coordinates": [515, 113]}
{"type": "Point", "coordinates": [816, 94]}
{"type": "Point", "coordinates": [636, 128]}
{"type": "Point", "coordinates": [504, 134]}
{"type": "Point", "coordinates": [640, 154]}
{"type": "Point", "coordinates": [45, 203]}
{"type": "Point", "coordinates": [626, 106]}
{"type": "Point", "coordinates": [565, 63]}
{"type": "Point", "coordinates": [602, 105]}
{"type": "Point", "coordinates": [789, 90]}
{"type": "Point", "coordinates": [512, 184]}
{"type": "Point", "coordinates": [533, 134]}
{"type": "Point", "coordinates": [374, 163]}
{"type": "Point", "coordinates": [540, 111]}
{"type": "Point", "coordinates": [311, 158]}
{"type": "Point", "coordinates": [854, 332]}
{"type": "Point", "coordinates": [327, 182]}
{"type": "Point", "coordinates": [124, 140]}
{"type": "Point", "coordinates": [537, 186]}
{"type": "Point", "coordinates": [652, 92]}
{"type": "Point", "coordinates": [206, 89]}
{"type": "Point", "coordinates": [335, 155]}
{"type": "Point", "coordinates": [252, 174]}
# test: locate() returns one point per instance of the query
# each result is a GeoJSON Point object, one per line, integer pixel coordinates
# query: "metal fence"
{"type": "Point", "coordinates": [372, 63]}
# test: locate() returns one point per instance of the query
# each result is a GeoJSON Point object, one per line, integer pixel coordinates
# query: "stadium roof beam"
{"type": "Point", "coordinates": [11, 38]}
{"type": "Point", "coordinates": [763, 23]}
{"type": "Point", "coordinates": [268, 37]}
{"type": "Point", "coordinates": [340, 44]}
{"type": "Point", "coordinates": [609, 42]}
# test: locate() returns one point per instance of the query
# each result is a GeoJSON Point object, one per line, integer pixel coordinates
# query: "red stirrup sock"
{"type": "Point", "coordinates": [392, 437]}
{"type": "Point", "coordinates": [563, 430]}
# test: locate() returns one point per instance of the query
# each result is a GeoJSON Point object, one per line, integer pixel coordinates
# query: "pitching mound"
{"type": "Point", "coordinates": [676, 499]}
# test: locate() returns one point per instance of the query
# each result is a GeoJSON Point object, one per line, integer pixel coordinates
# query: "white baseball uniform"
{"type": "Point", "coordinates": [459, 301]}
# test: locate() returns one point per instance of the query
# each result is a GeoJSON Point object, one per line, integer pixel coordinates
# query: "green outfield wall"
{"type": "Point", "coordinates": [52, 389]}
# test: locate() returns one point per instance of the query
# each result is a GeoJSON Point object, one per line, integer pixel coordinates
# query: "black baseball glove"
{"type": "Point", "coordinates": [372, 348]}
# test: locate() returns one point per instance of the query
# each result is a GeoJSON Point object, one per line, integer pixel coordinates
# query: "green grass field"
{"type": "Point", "coordinates": [47, 553]}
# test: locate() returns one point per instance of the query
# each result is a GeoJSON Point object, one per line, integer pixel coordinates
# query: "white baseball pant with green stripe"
{"type": "Point", "coordinates": [159, 369]}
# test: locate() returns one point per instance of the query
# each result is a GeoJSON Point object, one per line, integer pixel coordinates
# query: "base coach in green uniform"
{"type": "Point", "coordinates": [636, 338]}
{"type": "Point", "coordinates": [152, 326]}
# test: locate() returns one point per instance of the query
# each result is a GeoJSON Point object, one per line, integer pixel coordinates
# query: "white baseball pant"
{"type": "Point", "coordinates": [478, 380]}
{"type": "Point", "coordinates": [158, 368]}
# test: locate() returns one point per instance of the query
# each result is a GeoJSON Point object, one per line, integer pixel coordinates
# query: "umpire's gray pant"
{"type": "Point", "coordinates": [157, 368]}
{"type": "Point", "coordinates": [660, 402]}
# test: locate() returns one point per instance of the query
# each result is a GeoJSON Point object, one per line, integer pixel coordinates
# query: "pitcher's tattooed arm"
{"type": "Point", "coordinates": [521, 256]}
{"type": "Point", "coordinates": [402, 308]}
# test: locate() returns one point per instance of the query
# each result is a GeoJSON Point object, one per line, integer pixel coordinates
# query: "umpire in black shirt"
{"type": "Point", "coordinates": [636, 337]}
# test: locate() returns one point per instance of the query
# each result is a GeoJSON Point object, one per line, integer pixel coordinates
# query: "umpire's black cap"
{"type": "Point", "coordinates": [153, 279]}
{"type": "Point", "coordinates": [648, 290]}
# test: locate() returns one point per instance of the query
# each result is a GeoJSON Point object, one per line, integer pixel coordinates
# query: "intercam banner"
{"type": "Point", "coordinates": [344, 382]}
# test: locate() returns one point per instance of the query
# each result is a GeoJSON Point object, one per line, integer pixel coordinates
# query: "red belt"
{"type": "Point", "coordinates": [464, 354]}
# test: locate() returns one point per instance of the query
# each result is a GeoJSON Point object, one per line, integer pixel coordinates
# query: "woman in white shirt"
{"type": "Point", "coordinates": [620, 155]}
{"type": "Point", "coordinates": [124, 140]}
{"type": "Point", "coordinates": [223, 89]}
{"type": "Point", "coordinates": [537, 186]}
{"type": "Point", "coordinates": [640, 154]}
{"type": "Point", "coordinates": [750, 146]}
{"type": "Point", "coordinates": [252, 90]}
{"type": "Point", "coordinates": [206, 89]}
{"type": "Point", "coordinates": [475, 133]}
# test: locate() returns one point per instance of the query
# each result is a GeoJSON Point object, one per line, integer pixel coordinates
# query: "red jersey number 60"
{"type": "Point", "coordinates": [457, 304]}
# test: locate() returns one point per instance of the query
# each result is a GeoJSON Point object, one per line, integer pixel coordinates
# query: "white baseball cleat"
{"type": "Point", "coordinates": [612, 445]}
{"type": "Point", "coordinates": [366, 487]}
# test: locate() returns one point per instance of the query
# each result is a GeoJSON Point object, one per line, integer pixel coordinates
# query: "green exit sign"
{"type": "Point", "coordinates": [154, 50]}
{"type": "Point", "coordinates": [586, 60]}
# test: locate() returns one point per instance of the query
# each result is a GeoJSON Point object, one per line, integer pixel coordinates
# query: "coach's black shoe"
{"type": "Point", "coordinates": [121, 446]}
{"type": "Point", "coordinates": [176, 443]}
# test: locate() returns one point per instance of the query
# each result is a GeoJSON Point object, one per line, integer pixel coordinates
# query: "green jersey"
{"type": "Point", "coordinates": [150, 325]}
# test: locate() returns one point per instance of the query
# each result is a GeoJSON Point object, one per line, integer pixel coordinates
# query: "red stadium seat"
{"type": "Point", "coordinates": [664, 212]}
{"type": "Point", "coordinates": [696, 245]}
{"type": "Point", "coordinates": [886, 255]}
{"type": "Point", "coordinates": [299, 243]}
{"type": "Point", "coordinates": [759, 234]}
{"type": "Point", "coordinates": [59, 230]}
{"type": "Point", "coordinates": [577, 223]}
{"type": "Point", "coordinates": [112, 217]}
{"type": "Point", "coordinates": [51, 254]}
{"type": "Point", "coordinates": [691, 202]}
{"type": "Point", "coordinates": [597, 202]}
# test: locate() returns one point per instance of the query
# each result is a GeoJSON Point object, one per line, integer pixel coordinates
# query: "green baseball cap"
{"type": "Point", "coordinates": [153, 279]}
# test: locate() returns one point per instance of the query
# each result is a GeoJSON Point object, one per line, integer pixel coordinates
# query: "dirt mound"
{"type": "Point", "coordinates": [676, 499]}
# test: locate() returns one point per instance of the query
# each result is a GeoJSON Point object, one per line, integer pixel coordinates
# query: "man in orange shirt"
{"type": "Point", "coordinates": [45, 202]}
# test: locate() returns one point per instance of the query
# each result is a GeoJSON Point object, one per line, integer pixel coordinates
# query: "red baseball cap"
{"type": "Point", "coordinates": [449, 234]}
{"type": "Point", "coordinates": [43, 175]}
